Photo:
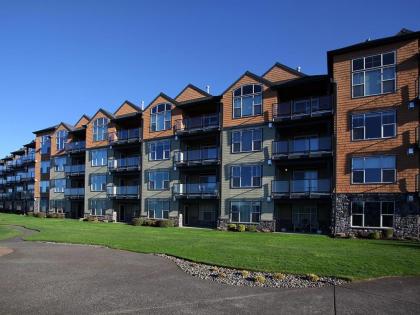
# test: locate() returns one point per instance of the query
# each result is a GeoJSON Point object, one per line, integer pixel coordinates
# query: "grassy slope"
{"type": "Point", "coordinates": [6, 232]}
{"type": "Point", "coordinates": [291, 253]}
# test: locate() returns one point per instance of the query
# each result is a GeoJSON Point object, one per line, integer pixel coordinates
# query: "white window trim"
{"type": "Point", "coordinates": [363, 215]}
{"type": "Point", "coordinates": [382, 125]}
{"type": "Point", "coordinates": [162, 142]}
{"type": "Point", "coordinates": [241, 141]}
{"type": "Point", "coordinates": [247, 95]}
{"type": "Point", "coordinates": [382, 170]}
{"type": "Point", "coordinates": [240, 177]}
{"type": "Point", "coordinates": [250, 215]}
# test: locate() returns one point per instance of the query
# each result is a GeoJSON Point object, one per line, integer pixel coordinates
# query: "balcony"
{"type": "Point", "coordinates": [74, 170]}
{"type": "Point", "coordinates": [124, 136]}
{"type": "Point", "coordinates": [299, 109]}
{"type": "Point", "coordinates": [45, 150]}
{"type": "Point", "coordinates": [27, 177]}
{"type": "Point", "coordinates": [74, 193]}
{"type": "Point", "coordinates": [205, 156]}
{"type": "Point", "coordinates": [195, 191]}
{"type": "Point", "coordinates": [123, 192]}
{"type": "Point", "coordinates": [2, 181]}
{"type": "Point", "coordinates": [13, 179]}
{"type": "Point", "coordinates": [30, 158]}
{"type": "Point", "coordinates": [305, 188]}
{"type": "Point", "coordinates": [310, 147]}
{"type": "Point", "coordinates": [125, 164]}
{"type": "Point", "coordinates": [75, 146]}
{"type": "Point", "coordinates": [204, 123]}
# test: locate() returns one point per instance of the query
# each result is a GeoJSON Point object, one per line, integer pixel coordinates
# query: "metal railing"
{"type": "Point", "coordinates": [196, 189]}
{"type": "Point", "coordinates": [300, 108]}
{"type": "Point", "coordinates": [74, 169]}
{"type": "Point", "coordinates": [210, 154]}
{"type": "Point", "coordinates": [74, 192]}
{"type": "Point", "coordinates": [125, 135]}
{"type": "Point", "coordinates": [13, 179]}
{"type": "Point", "coordinates": [128, 163]}
{"type": "Point", "coordinates": [198, 123]}
{"type": "Point", "coordinates": [75, 146]}
{"type": "Point", "coordinates": [45, 149]}
{"type": "Point", "coordinates": [28, 158]}
{"type": "Point", "coordinates": [304, 186]}
{"type": "Point", "coordinates": [123, 191]}
{"type": "Point", "coordinates": [302, 146]}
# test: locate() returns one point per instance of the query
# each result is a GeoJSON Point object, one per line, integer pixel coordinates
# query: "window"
{"type": "Point", "coordinates": [160, 117]}
{"type": "Point", "coordinates": [59, 185]}
{"type": "Point", "coordinates": [158, 180]}
{"type": "Point", "coordinates": [45, 144]}
{"type": "Point", "coordinates": [44, 185]}
{"type": "Point", "coordinates": [159, 150]}
{"type": "Point", "coordinates": [245, 211]}
{"type": "Point", "coordinates": [98, 207]}
{"type": "Point", "coordinates": [373, 75]}
{"type": "Point", "coordinates": [59, 163]}
{"type": "Point", "coordinates": [98, 157]}
{"type": "Point", "coordinates": [374, 125]}
{"type": "Point", "coordinates": [97, 182]}
{"type": "Point", "coordinates": [247, 101]}
{"type": "Point", "coordinates": [372, 213]}
{"type": "Point", "coordinates": [374, 169]}
{"type": "Point", "coordinates": [244, 176]}
{"type": "Point", "coordinates": [247, 140]}
{"type": "Point", "coordinates": [158, 208]}
{"type": "Point", "coordinates": [57, 205]}
{"type": "Point", "coordinates": [100, 128]}
{"type": "Point", "coordinates": [45, 167]}
{"type": "Point", "coordinates": [61, 138]}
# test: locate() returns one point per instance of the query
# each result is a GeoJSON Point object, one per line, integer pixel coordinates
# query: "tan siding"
{"type": "Point", "coordinates": [279, 74]}
{"type": "Point", "coordinates": [125, 109]}
{"type": "Point", "coordinates": [89, 133]}
{"type": "Point", "coordinates": [189, 94]}
{"type": "Point", "coordinates": [83, 121]}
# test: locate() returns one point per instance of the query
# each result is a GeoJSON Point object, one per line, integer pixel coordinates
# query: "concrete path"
{"type": "Point", "coordinates": [44, 278]}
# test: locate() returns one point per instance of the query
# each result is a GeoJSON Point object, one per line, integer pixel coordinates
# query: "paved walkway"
{"type": "Point", "coordinates": [44, 278]}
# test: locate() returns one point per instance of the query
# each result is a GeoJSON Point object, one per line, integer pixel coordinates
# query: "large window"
{"type": "Point", "coordinates": [158, 208]}
{"type": "Point", "coordinates": [247, 140]}
{"type": "Point", "coordinates": [372, 213]}
{"type": "Point", "coordinates": [59, 163]}
{"type": "Point", "coordinates": [45, 167]}
{"type": "Point", "coordinates": [98, 206]}
{"type": "Point", "coordinates": [98, 157]}
{"type": "Point", "coordinates": [58, 185]}
{"type": "Point", "coordinates": [244, 176]}
{"type": "Point", "coordinates": [373, 75]}
{"type": "Point", "coordinates": [57, 205]}
{"type": "Point", "coordinates": [158, 180]}
{"type": "Point", "coordinates": [245, 211]}
{"type": "Point", "coordinates": [373, 169]}
{"type": "Point", "coordinates": [100, 128]}
{"type": "Point", "coordinates": [159, 150]}
{"type": "Point", "coordinates": [45, 144]}
{"type": "Point", "coordinates": [44, 185]}
{"type": "Point", "coordinates": [374, 125]}
{"type": "Point", "coordinates": [160, 117]}
{"type": "Point", "coordinates": [97, 182]}
{"type": "Point", "coordinates": [247, 101]}
{"type": "Point", "coordinates": [61, 138]}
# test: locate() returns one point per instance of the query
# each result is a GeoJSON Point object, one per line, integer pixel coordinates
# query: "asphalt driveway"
{"type": "Point", "coordinates": [45, 278]}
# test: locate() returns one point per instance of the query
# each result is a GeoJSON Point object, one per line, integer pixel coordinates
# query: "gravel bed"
{"type": "Point", "coordinates": [250, 278]}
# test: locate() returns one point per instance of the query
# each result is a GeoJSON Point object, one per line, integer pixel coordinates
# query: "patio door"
{"type": "Point", "coordinates": [305, 218]}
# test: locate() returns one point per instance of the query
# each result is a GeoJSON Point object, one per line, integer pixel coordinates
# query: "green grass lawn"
{"type": "Point", "coordinates": [274, 252]}
{"type": "Point", "coordinates": [6, 232]}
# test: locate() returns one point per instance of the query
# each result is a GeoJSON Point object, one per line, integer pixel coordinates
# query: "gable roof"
{"type": "Point", "coordinates": [48, 129]}
{"type": "Point", "coordinates": [65, 125]}
{"type": "Point", "coordinates": [130, 104]}
{"type": "Point", "coordinates": [83, 116]}
{"type": "Point", "coordinates": [103, 111]}
{"type": "Point", "coordinates": [195, 88]}
{"type": "Point", "coordinates": [251, 75]}
{"type": "Point", "coordinates": [161, 94]}
{"type": "Point", "coordinates": [285, 68]}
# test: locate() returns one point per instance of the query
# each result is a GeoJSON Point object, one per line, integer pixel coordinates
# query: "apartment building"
{"type": "Point", "coordinates": [336, 153]}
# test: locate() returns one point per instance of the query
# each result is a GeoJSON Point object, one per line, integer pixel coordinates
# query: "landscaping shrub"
{"type": "Point", "coordinates": [240, 228]}
{"type": "Point", "coordinates": [222, 275]}
{"type": "Point", "coordinates": [375, 235]}
{"type": "Point", "coordinates": [30, 214]}
{"type": "Point", "coordinates": [52, 215]}
{"type": "Point", "coordinates": [312, 277]}
{"type": "Point", "coordinates": [231, 227]}
{"type": "Point", "coordinates": [92, 219]}
{"type": "Point", "coordinates": [279, 276]}
{"type": "Point", "coordinates": [245, 274]}
{"type": "Point", "coordinates": [149, 222]}
{"type": "Point", "coordinates": [251, 228]}
{"type": "Point", "coordinates": [388, 233]}
{"type": "Point", "coordinates": [260, 279]}
{"type": "Point", "coordinates": [40, 215]}
{"type": "Point", "coordinates": [165, 223]}
{"type": "Point", "coordinates": [137, 221]}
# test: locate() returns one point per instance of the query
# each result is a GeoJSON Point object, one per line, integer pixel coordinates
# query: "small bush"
{"type": "Point", "coordinates": [40, 215]}
{"type": "Point", "coordinates": [279, 276]}
{"type": "Point", "coordinates": [251, 228]}
{"type": "Point", "coordinates": [240, 228]}
{"type": "Point", "coordinates": [375, 235]}
{"type": "Point", "coordinates": [388, 233]}
{"type": "Point", "coordinates": [312, 277]}
{"type": "Point", "coordinates": [222, 275]}
{"type": "Point", "coordinates": [231, 227]}
{"type": "Point", "coordinates": [245, 274]}
{"type": "Point", "coordinates": [165, 223]}
{"type": "Point", "coordinates": [149, 222]}
{"type": "Point", "coordinates": [137, 221]}
{"type": "Point", "coordinates": [260, 279]}
{"type": "Point", "coordinates": [92, 219]}
{"type": "Point", "coordinates": [52, 215]}
{"type": "Point", "coordinates": [30, 214]}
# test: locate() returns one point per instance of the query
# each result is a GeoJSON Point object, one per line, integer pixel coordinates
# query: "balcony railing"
{"type": "Point", "coordinates": [302, 147]}
{"type": "Point", "coordinates": [13, 179]}
{"type": "Point", "coordinates": [74, 192]}
{"type": "Point", "coordinates": [196, 190]}
{"type": "Point", "coordinates": [46, 149]}
{"type": "Point", "coordinates": [311, 107]}
{"type": "Point", "coordinates": [73, 170]}
{"type": "Point", "coordinates": [2, 181]}
{"type": "Point", "coordinates": [123, 191]}
{"type": "Point", "coordinates": [27, 176]}
{"type": "Point", "coordinates": [125, 136]}
{"type": "Point", "coordinates": [300, 188]}
{"type": "Point", "coordinates": [75, 146]}
{"type": "Point", "coordinates": [125, 164]}
{"type": "Point", "coordinates": [197, 124]}
{"type": "Point", "coordinates": [204, 156]}
{"type": "Point", "coordinates": [28, 158]}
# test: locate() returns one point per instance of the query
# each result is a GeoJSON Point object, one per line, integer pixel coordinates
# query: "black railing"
{"type": "Point", "coordinates": [123, 191]}
{"type": "Point", "coordinates": [295, 109]}
{"type": "Point", "coordinates": [306, 187]}
{"type": "Point", "coordinates": [74, 192]}
{"type": "Point", "coordinates": [75, 146]}
{"type": "Point", "coordinates": [125, 135]}
{"type": "Point", "coordinates": [302, 146]}
{"type": "Point", "coordinates": [196, 190]}
{"type": "Point", "coordinates": [124, 164]}
{"type": "Point", "coordinates": [74, 169]}
{"type": "Point", "coordinates": [198, 156]}
{"type": "Point", "coordinates": [204, 122]}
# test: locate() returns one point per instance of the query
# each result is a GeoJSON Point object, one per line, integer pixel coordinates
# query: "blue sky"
{"type": "Point", "coordinates": [60, 59]}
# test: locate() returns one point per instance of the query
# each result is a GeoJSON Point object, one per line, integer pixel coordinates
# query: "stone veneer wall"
{"type": "Point", "coordinates": [406, 217]}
